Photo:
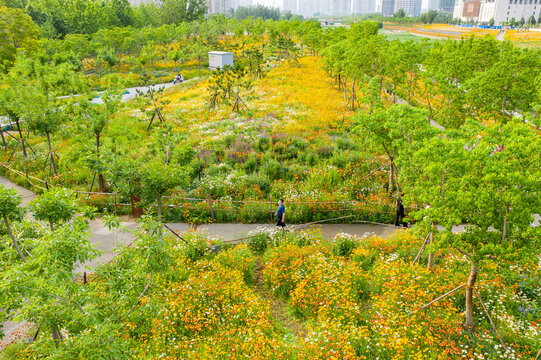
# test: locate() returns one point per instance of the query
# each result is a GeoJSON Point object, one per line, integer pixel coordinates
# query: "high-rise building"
{"type": "Point", "coordinates": [433, 5]}
{"type": "Point", "coordinates": [412, 8]}
{"type": "Point", "coordinates": [363, 6]}
{"type": "Point", "coordinates": [222, 6]}
{"type": "Point", "coordinates": [340, 7]}
{"type": "Point", "coordinates": [482, 11]}
{"type": "Point", "coordinates": [291, 5]}
{"type": "Point", "coordinates": [447, 6]}
{"type": "Point", "coordinates": [387, 7]}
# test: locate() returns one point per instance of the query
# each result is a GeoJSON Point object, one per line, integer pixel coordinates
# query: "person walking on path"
{"type": "Point", "coordinates": [400, 213]}
{"type": "Point", "coordinates": [281, 214]}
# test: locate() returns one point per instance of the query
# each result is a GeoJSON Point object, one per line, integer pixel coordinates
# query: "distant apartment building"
{"type": "Point", "coordinates": [291, 5]}
{"type": "Point", "coordinates": [482, 11]}
{"type": "Point", "coordinates": [340, 7]}
{"type": "Point", "coordinates": [311, 8]}
{"type": "Point", "coordinates": [412, 8]}
{"type": "Point", "coordinates": [222, 6]}
{"type": "Point", "coordinates": [447, 6]}
{"type": "Point", "coordinates": [387, 7]}
{"type": "Point", "coordinates": [363, 6]}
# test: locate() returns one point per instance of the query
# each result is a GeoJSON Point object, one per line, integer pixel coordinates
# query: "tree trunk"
{"type": "Point", "coordinates": [101, 182]}
{"type": "Point", "coordinates": [3, 139]}
{"type": "Point", "coordinates": [391, 174]}
{"type": "Point", "coordinates": [8, 228]}
{"type": "Point", "coordinates": [469, 298]}
{"type": "Point", "coordinates": [160, 208]}
{"type": "Point", "coordinates": [430, 260]}
{"type": "Point", "coordinates": [53, 166]}
{"type": "Point", "coordinates": [51, 225]}
{"type": "Point", "coordinates": [57, 336]}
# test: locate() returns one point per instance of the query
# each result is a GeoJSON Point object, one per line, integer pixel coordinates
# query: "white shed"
{"type": "Point", "coordinates": [220, 59]}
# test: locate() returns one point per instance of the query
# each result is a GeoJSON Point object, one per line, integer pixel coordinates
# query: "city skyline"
{"type": "Point", "coordinates": [280, 3]}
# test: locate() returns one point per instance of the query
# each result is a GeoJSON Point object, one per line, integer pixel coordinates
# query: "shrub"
{"type": "Point", "coordinates": [325, 151]}
{"type": "Point", "coordinates": [311, 159]}
{"type": "Point", "coordinates": [344, 244]}
{"type": "Point", "coordinates": [183, 154]}
{"type": "Point", "coordinates": [274, 170]}
{"type": "Point", "coordinates": [251, 165]}
{"type": "Point", "coordinates": [259, 180]}
{"type": "Point", "coordinates": [258, 242]}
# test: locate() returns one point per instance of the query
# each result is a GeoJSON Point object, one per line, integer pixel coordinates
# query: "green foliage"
{"type": "Point", "coordinates": [257, 11]}
{"type": "Point", "coordinates": [10, 202]}
{"type": "Point", "coordinates": [17, 32]}
{"type": "Point", "coordinates": [344, 245]}
{"type": "Point", "coordinates": [54, 206]}
{"type": "Point", "coordinates": [258, 242]}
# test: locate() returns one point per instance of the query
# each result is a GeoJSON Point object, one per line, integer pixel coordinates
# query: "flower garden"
{"type": "Point", "coordinates": [350, 298]}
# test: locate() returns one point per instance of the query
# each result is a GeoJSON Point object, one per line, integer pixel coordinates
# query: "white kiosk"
{"type": "Point", "coordinates": [219, 59]}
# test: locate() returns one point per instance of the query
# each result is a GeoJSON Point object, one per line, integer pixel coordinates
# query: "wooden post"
{"type": "Point", "coordinates": [469, 298]}
{"type": "Point", "coordinates": [344, 207]}
{"type": "Point", "coordinates": [491, 322]}
{"type": "Point", "coordinates": [84, 278]}
{"type": "Point", "coordinates": [210, 208]}
{"type": "Point", "coordinates": [431, 255]}
{"type": "Point", "coordinates": [116, 209]}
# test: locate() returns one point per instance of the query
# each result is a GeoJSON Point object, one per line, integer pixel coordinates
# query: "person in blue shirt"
{"type": "Point", "coordinates": [281, 214]}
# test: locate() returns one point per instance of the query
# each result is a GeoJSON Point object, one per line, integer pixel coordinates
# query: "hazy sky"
{"type": "Point", "coordinates": [279, 2]}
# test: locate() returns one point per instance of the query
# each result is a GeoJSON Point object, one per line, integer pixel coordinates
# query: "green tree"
{"type": "Point", "coordinates": [157, 179]}
{"type": "Point", "coordinates": [41, 102]}
{"type": "Point", "coordinates": [55, 206]}
{"type": "Point", "coordinates": [17, 32]}
{"type": "Point", "coordinates": [400, 13]}
{"type": "Point", "coordinates": [177, 11]}
{"type": "Point", "coordinates": [43, 290]}
{"type": "Point", "coordinates": [200, 53]}
{"type": "Point", "coordinates": [95, 116]}
{"type": "Point", "coordinates": [397, 131]}
{"type": "Point", "coordinates": [481, 176]}
{"type": "Point", "coordinates": [10, 210]}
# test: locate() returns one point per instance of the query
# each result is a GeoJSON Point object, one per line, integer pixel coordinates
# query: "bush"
{"type": "Point", "coordinates": [251, 165]}
{"type": "Point", "coordinates": [183, 154]}
{"type": "Point", "coordinates": [311, 159]}
{"type": "Point", "coordinates": [259, 180]}
{"type": "Point", "coordinates": [258, 242]}
{"type": "Point", "coordinates": [274, 170]}
{"type": "Point", "coordinates": [344, 244]}
{"type": "Point", "coordinates": [325, 151]}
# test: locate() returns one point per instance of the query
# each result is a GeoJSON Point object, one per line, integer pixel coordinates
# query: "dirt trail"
{"type": "Point", "coordinates": [279, 309]}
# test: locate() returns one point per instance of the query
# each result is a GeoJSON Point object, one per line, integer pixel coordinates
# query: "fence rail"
{"type": "Point", "coordinates": [213, 206]}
